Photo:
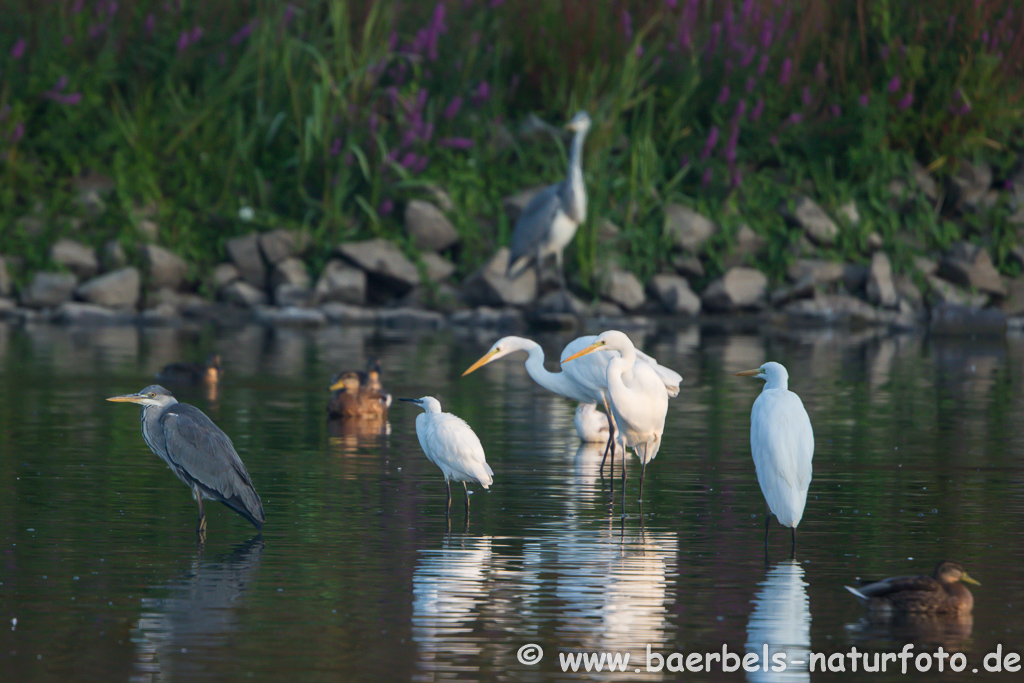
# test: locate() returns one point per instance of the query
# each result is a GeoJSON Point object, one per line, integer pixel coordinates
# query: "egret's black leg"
{"type": "Point", "coordinates": [767, 523]}
{"type": "Point", "coordinates": [643, 471]}
{"type": "Point", "coordinates": [466, 490]}
{"type": "Point", "coordinates": [623, 484]}
{"type": "Point", "coordinates": [448, 509]}
{"type": "Point", "coordinates": [792, 535]}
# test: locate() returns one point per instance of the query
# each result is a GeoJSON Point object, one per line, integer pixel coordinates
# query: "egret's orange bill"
{"type": "Point", "coordinates": [590, 349]}
{"type": "Point", "coordinates": [749, 373]}
{"type": "Point", "coordinates": [484, 360]}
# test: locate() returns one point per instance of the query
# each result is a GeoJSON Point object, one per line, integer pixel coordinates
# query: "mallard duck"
{"type": "Point", "coordinates": [208, 373]}
{"type": "Point", "coordinates": [371, 381]}
{"type": "Point", "coordinates": [943, 592]}
{"type": "Point", "coordinates": [351, 398]}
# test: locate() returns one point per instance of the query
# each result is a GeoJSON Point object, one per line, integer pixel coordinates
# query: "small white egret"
{"type": "Point", "coordinates": [452, 445]}
{"type": "Point", "coordinates": [591, 424]}
{"type": "Point", "coordinates": [782, 443]}
{"type": "Point", "coordinates": [636, 392]}
{"type": "Point", "coordinates": [585, 381]}
{"type": "Point", "coordinates": [940, 593]}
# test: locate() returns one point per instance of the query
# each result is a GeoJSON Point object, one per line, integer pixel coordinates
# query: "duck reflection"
{"type": "Point", "coordinates": [781, 620]}
{"type": "Point", "coordinates": [349, 436]}
{"type": "Point", "coordinates": [199, 614]}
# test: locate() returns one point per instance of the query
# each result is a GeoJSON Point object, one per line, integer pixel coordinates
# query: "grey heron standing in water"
{"type": "Point", "coordinates": [550, 220]}
{"type": "Point", "coordinates": [197, 451]}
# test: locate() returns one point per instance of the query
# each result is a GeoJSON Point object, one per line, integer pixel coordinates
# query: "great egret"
{"type": "Point", "coordinates": [358, 395]}
{"type": "Point", "coordinates": [636, 392]}
{"type": "Point", "coordinates": [782, 443]}
{"type": "Point", "coordinates": [452, 445]}
{"type": "Point", "coordinates": [591, 424]}
{"type": "Point", "coordinates": [197, 451]}
{"type": "Point", "coordinates": [549, 221]}
{"type": "Point", "coordinates": [940, 593]}
{"type": "Point", "coordinates": [584, 381]}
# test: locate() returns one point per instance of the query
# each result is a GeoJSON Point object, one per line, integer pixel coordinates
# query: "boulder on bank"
{"type": "Point", "coordinates": [47, 290]}
{"type": "Point", "coordinates": [76, 257]}
{"type": "Point", "coordinates": [490, 286]}
{"type": "Point", "coordinates": [384, 262]}
{"type": "Point", "coordinates": [245, 253]}
{"type": "Point", "coordinates": [116, 289]}
{"type": "Point", "coordinates": [739, 288]}
{"type": "Point", "coordinates": [342, 283]}
{"type": "Point", "coordinates": [687, 228]}
{"type": "Point", "coordinates": [163, 267]}
{"type": "Point", "coordinates": [428, 227]}
{"type": "Point", "coordinates": [674, 294]}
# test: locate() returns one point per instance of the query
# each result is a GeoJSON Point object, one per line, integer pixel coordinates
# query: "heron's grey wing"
{"type": "Point", "coordinates": [533, 227]}
{"type": "Point", "coordinates": [204, 454]}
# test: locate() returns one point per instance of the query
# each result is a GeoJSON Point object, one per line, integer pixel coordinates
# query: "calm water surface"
{"type": "Point", "coordinates": [358, 576]}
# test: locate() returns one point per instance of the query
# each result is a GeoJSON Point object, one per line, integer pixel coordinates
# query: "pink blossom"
{"type": "Point", "coordinates": [183, 41]}
{"type": "Point", "coordinates": [894, 84]}
{"type": "Point", "coordinates": [906, 101]}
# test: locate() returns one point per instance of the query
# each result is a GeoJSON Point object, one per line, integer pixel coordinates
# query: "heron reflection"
{"type": "Point", "coordinates": [781, 623]}
{"type": "Point", "coordinates": [199, 614]}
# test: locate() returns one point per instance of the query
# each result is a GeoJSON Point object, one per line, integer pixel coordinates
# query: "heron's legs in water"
{"type": "Point", "coordinates": [201, 521]}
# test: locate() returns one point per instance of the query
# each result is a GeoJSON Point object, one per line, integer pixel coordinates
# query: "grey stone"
{"type": "Point", "coordinates": [850, 212]}
{"type": "Point", "coordinates": [687, 228]}
{"type": "Point", "coordinates": [437, 267]}
{"type": "Point", "coordinates": [970, 183]}
{"type": "Point", "coordinates": [47, 290]}
{"type": "Point", "coordinates": [441, 198]}
{"type": "Point", "coordinates": [1017, 255]}
{"type": "Point", "coordinates": [815, 222]}
{"type": "Point", "coordinates": [855, 276]}
{"type": "Point", "coordinates": [291, 316]}
{"type": "Point", "coordinates": [515, 204]}
{"type": "Point", "coordinates": [748, 242]}
{"type": "Point", "coordinates": [281, 244]}
{"type": "Point", "coordinates": [410, 318]}
{"type": "Point", "coordinates": [6, 285]}
{"type": "Point", "coordinates": [112, 256]}
{"type": "Point", "coordinates": [223, 274]}
{"type": "Point", "coordinates": [76, 313]}
{"type": "Point", "coordinates": [925, 265]}
{"type": "Point", "coordinates": [946, 292]}
{"type": "Point", "coordinates": [1013, 304]}
{"type": "Point", "coordinates": [244, 252]}
{"type": "Point", "coordinates": [909, 292]}
{"type": "Point", "coordinates": [608, 232]}
{"type": "Point", "coordinates": [623, 288]}
{"type": "Point", "coordinates": [76, 257]}
{"type": "Point", "coordinates": [290, 271]}
{"type": "Point", "coordinates": [241, 293]}
{"type": "Point", "coordinates": [798, 290]}
{"type": "Point", "coordinates": [291, 295]}
{"type": "Point", "coordinates": [674, 294]}
{"type": "Point", "coordinates": [338, 312]}
{"type": "Point", "coordinates": [881, 289]}
{"type": "Point", "coordinates": [489, 318]}
{"type": "Point", "coordinates": [688, 266]}
{"type": "Point", "coordinates": [340, 282]}
{"type": "Point", "coordinates": [952, 320]}
{"type": "Point", "coordinates": [554, 302]}
{"type": "Point", "coordinates": [738, 288]}
{"type": "Point", "coordinates": [116, 289]}
{"type": "Point", "coordinates": [8, 308]}
{"type": "Point", "coordinates": [164, 268]}
{"type": "Point", "coordinates": [971, 266]}
{"type": "Point", "coordinates": [489, 286]}
{"type": "Point", "coordinates": [817, 272]}
{"type": "Point", "coordinates": [843, 309]}
{"type": "Point", "coordinates": [925, 182]}
{"type": "Point", "coordinates": [429, 229]}
{"type": "Point", "coordinates": [90, 202]}
{"type": "Point", "coordinates": [161, 314]}
{"type": "Point", "coordinates": [382, 259]}
{"type": "Point", "coordinates": [148, 229]}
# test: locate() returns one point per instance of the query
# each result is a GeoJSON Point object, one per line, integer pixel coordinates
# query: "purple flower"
{"type": "Point", "coordinates": [863, 100]}
{"type": "Point", "coordinates": [71, 99]}
{"type": "Point", "coordinates": [806, 96]}
{"type": "Point", "coordinates": [183, 41]}
{"type": "Point", "coordinates": [716, 34]}
{"type": "Point", "coordinates": [709, 145]}
{"type": "Point", "coordinates": [242, 33]}
{"type": "Point", "coordinates": [289, 13]}
{"type": "Point", "coordinates": [883, 52]}
{"type": "Point", "coordinates": [671, 4]}
{"type": "Point", "coordinates": [737, 177]}
{"type": "Point", "coordinates": [748, 56]}
{"type": "Point", "coordinates": [894, 84]}
{"type": "Point", "coordinates": [111, 8]}
{"type": "Point", "coordinates": [820, 74]}
{"type": "Point", "coordinates": [97, 30]}
{"type": "Point", "coordinates": [730, 147]}
{"type": "Point", "coordinates": [495, 4]}
{"type": "Point", "coordinates": [751, 84]}
{"type": "Point", "coordinates": [705, 178]}
{"type": "Point", "coordinates": [773, 140]}
{"type": "Point", "coordinates": [758, 109]}
{"type": "Point", "coordinates": [150, 23]}
{"type": "Point", "coordinates": [626, 24]}
{"type": "Point", "coordinates": [762, 66]}
{"type": "Point", "coordinates": [456, 143]}
{"type": "Point", "coordinates": [794, 118]}
{"type": "Point", "coordinates": [78, 6]}
{"type": "Point", "coordinates": [18, 51]}
{"type": "Point", "coordinates": [786, 72]}
{"type": "Point", "coordinates": [386, 207]}
{"type": "Point", "coordinates": [685, 161]}
{"type": "Point", "coordinates": [724, 95]}
{"type": "Point", "coordinates": [61, 83]}
{"type": "Point", "coordinates": [483, 91]}
{"type": "Point", "coordinates": [906, 101]}
{"type": "Point", "coordinates": [197, 33]}
{"type": "Point", "coordinates": [68, 40]}
{"type": "Point", "coordinates": [335, 147]}
{"type": "Point", "coordinates": [835, 110]}
{"type": "Point", "coordinates": [741, 109]}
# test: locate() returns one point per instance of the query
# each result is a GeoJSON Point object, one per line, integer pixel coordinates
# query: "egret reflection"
{"type": "Point", "coordinates": [198, 616]}
{"type": "Point", "coordinates": [781, 620]}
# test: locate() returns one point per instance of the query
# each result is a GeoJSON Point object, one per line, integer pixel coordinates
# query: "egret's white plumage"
{"type": "Point", "coordinates": [636, 392]}
{"type": "Point", "coordinates": [782, 443]}
{"type": "Point", "coordinates": [585, 380]}
{"type": "Point", "coordinates": [452, 445]}
{"type": "Point", "coordinates": [591, 424]}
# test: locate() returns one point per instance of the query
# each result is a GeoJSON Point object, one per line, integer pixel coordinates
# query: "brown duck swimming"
{"type": "Point", "coordinates": [358, 395]}
{"type": "Point", "coordinates": [943, 592]}
{"type": "Point", "coordinates": [208, 373]}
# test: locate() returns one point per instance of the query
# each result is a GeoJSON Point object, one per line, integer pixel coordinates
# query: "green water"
{"type": "Point", "coordinates": [357, 575]}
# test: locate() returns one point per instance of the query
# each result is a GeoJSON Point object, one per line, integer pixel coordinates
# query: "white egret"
{"type": "Point", "coordinates": [636, 392]}
{"type": "Point", "coordinates": [940, 593]}
{"type": "Point", "coordinates": [585, 381]}
{"type": "Point", "coordinates": [782, 443]}
{"type": "Point", "coordinates": [452, 445]}
{"type": "Point", "coordinates": [591, 424]}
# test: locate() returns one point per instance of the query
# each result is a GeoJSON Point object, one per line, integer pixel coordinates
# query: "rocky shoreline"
{"type": "Point", "coordinates": [266, 277]}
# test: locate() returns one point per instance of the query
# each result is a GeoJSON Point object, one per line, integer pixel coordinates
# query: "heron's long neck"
{"type": "Point", "coordinates": [577, 188]}
{"type": "Point", "coordinates": [552, 381]}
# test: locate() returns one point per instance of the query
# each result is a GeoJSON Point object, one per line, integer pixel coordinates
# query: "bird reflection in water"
{"type": "Point", "coordinates": [357, 410]}
{"type": "Point", "coordinates": [347, 437]}
{"type": "Point", "coordinates": [198, 616]}
{"type": "Point", "coordinates": [781, 620]}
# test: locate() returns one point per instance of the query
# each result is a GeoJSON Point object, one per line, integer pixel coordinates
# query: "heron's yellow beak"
{"type": "Point", "coordinates": [967, 579]}
{"type": "Point", "coordinates": [749, 373]}
{"type": "Point", "coordinates": [127, 398]}
{"type": "Point", "coordinates": [484, 360]}
{"type": "Point", "coordinates": [590, 349]}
